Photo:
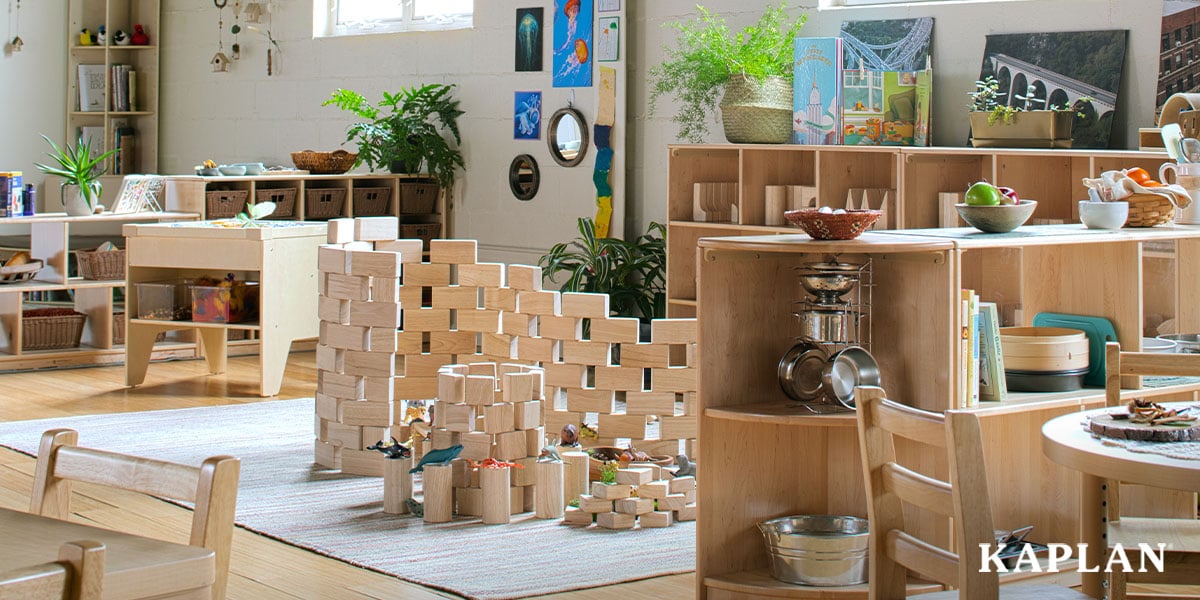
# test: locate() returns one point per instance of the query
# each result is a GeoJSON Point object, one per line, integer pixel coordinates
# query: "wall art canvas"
{"type": "Point", "coordinates": [890, 45]}
{"type": "Point", "coordinates": [1080, 70]}
{"type": "Point", "coordinates": [608, 39]}
{"type": "Point", "coordinates": [528, 44]}
{"type": "Point", "coordinates": [572, 58]}
{"type": "Point", "coordinates": [1179, 50]}
{"type": "Point", "coordinates": [527, 115]}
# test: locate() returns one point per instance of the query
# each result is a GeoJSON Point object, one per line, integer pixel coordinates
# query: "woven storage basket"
{"type": "Point", "coordinates": [224, 204]}
{"type": "Point", "coordinates": [97, 264]}
{"type": "Point", "coordinates": [324, 203]}
{"type": "Point", "coordinates": [338, 161]}
{"type": "Point", "coordinates": [119, 330]}
{"type": "Point", "coordinates": [832, 226]}
{"type": "Point", "coordinates": [284, 199]}
{"type": "Point", "coordinates": [1148, 210]}
{"type": "Point", "coordinates": [418, 198]}
{"type": "Point", "coordinates": [754, 112]}
{"type": "Point", "coordinates": [51, 328]}
{"type": "Point", "coordinates": [372, 201]}
{"type": "Point", "coordinates": [422, 231]}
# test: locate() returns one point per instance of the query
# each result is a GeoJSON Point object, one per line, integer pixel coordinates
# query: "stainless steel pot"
{"type": "Point", "coordinates": [847, 370]}
{"type": "Point", "coordinates": [826, 325]}
{"type": "Point", "coordinates": [817, 550]}
{"type": "Point", "coordinates": [829, 287]}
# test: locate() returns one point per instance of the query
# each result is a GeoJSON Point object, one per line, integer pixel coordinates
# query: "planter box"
{"type": "Point", "coordinates": [1032, 129]}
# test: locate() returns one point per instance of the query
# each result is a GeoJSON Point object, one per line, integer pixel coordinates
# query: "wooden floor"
{"type": "Point", "coordinates": [261, 568]}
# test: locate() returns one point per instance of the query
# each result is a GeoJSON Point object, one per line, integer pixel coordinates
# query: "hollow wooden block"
{"type": "Point", "coordinates": [347, 287]}
{"type": "Point", "coordinates": [370, 229]}
{"type": "Point", "coordinates": [655, 519]}
{"type": "Point", "coordinates": [612, 520]}
{"type": "Point", "coordinates": [500, 299]}
{"type": "Point", "coordinates": [672, 502]}
{"type": "Point", "coordinates": [426, 275]}
{"type": "Point", "coordinates": [560, 328]}
{"type": "Point", "coordinates": [614, 491]}
{"type": "Point", "coordinates": [439, 493]}
{"type": "Point", "coordinates": [525, 278]}
{"type": "Point", "coordinates": [634, 506]}
{"type": "Point", "coordinates": [375, 264]}
{"type": "Point", "coordinates": [576, 474]}
{"type": "Point", "coordinates": [330, 358]}
{"type": "Point", "coordinates": [498, 418]}
{"type": "Point", "coordinates": [397, 485]}
{"type": "Point", "coordinates": [527, 415]}
{"type": "Point", "coordinates": [687, 513]}
{"type": "Point", "coordinates": [385, 289]}
{"type": "Point", "coordinates": [370, 364]}
{"type": "Point", "coordinates": [456, 417]}
{"type": "Point", "coordinates": [549, 502]}
{"type": "Point", "coordinates": [481, 275]}
{"type": "Point", "coordinates": [510, 445]}
{"type": "Point", "coordinates": [591, 504]}
{"type": "Point", "coordinates": [481, 320]}
{"type": "Point", "coordinates": [678, 428]}
{"type": "Point", "coordinates": [340, 231]}
{"type": "Point", "coordinates": [497, 345]}
{"type": "Point", "coordinates": [455, 252]}
{"type": "Point", "coordinates": [565, 375]}
{"type": "Point", "coordinates": [327, 455]}
{"type": "Point", "coordinates": [367, 412]}
{"type": "Point", "coordinates": [455, 297]}
{"type": "Point", "coordinates": [497, 503]}
{"type": "Point", "coordinates": [674, 379]}
{"type": "Point", "coordinates": [539, 303]}
{"type": "Point", "coordinates": [452, 387]}
{"type": "Point", "coordinates": [346, 337]}
{"type": "Point", "coordinates": [514, 323]}
{"type": "Point", "coordinates": [621, 330]}
{"type": "Point", "coordinates": [650, 403]}
{"type": "Point", "coordinates": [379, 389]}
{"type": "Point", "coordinates": [673, 331]}
{"type": "Point", "coordinates": [587, 353]}
{"type": "Point", "coordinates": [453, 342]}
{"type": "Point", "coordinates": [584, 305]}
{"type": "Point", "coordinates": [410, 251]}
{"type": "Point", "coordinates": [535, 440]}
{"type": "Point", "coordinates": [468, 501]}
{"type": "Point", "coordinates": [680, 485]}
{"type": "Point", "coordinates": [425, 365]}
{"type": "Point", "coordinates": [622, 426]}
{"type": "Point", "coordinates": [634, 476]}
{"type": "Point", "coordinates": [595, 401]}
{"type": "Point", "coordinates": [441, 439]}
{"type": "Point", "coordinates": [537, 349]}
{"type": "Point", "coordinates": [367, 463]}
{"type": "Point", "coordinates": [427, 319]}
{"type": "Point", "coordinates": [645, 355]}
{"type": "Point", "coordinates": [338, 385]}
{"type": "Point", "coordinates": [517, 387]}
{"type": "Point", "coordinates": [654, 489]}
{"type": "Point", "coordinates": [333, 310]}
{"type": "Point", "coordinates": [481, 390]}
{"type": "Point", "coordinates": [333, 259]}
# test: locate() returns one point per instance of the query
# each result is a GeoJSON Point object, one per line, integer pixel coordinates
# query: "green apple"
{"type": "Point", "coordinates": [982, 194]}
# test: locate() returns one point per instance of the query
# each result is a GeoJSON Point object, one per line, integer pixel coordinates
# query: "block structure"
{"type": "Point", "coordinates": [637, 499]}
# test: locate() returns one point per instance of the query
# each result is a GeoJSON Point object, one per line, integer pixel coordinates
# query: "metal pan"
{"type": "Point", "coordinates": [799, 371]}
{"type": "Point", "coordinates": [846, 370]}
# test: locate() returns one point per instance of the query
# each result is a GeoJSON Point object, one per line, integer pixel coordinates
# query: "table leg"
{"type": "Point", "coordinates": [139, 345]}
{"type": "Point", "coordinates": [1093, 531]}
{"type": "Point", "coordinates": [273, 354]}
{"type": "Point", "coordinates": [214, 340]}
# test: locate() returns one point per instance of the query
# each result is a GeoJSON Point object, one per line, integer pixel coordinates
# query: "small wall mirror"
{"type": "Point", "coordinates": [568, 137]}
{"type": "Point", "coordinates": [524, 177]}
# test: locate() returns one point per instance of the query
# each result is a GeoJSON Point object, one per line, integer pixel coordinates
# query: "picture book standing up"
{"type": "Point", "coordinates": [816, 101]}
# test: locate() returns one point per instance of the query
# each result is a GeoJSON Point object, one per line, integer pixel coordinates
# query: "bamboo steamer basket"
{"type": "Point", "coordinates": [1043, 348]}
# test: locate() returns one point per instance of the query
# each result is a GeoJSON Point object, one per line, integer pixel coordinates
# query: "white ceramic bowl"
{"type": "Point", "coordinates": [1103, 215]}
{"type": "Point", "coordinates": [232, 170]}
{"type": "Point", "coordinates": [1158, 345]}
{"type": "Point", "coordinates": [252, 168]}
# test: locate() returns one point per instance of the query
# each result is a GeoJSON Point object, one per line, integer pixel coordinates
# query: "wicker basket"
{"type": "Point", "coordinates": [418, 198]}
{"type": "Point", "coordinates": [1148, 210]}
{"type": "Point", "coordinates": [338, 161]}
{"type": "Point", "coordinates": [372, 201]}
{"type": "Point", "coordinates": [119, 330]}
{"type": "Point", "coordinates": [284, 199]}
{"type": "Point", "coordinates": [324, 203]}
{"type": "Point", "coordinates": [224, 204]}
{"type": "Point", "coordinates": [51, 328]}
{"type": "Point", "coordinates": [101, 264]}
{"type": "Point", "coordinates": [422, 231]}
{"type": "Point", "coordinates": [832, 226]}
{"type": "Point", "coordinates": [756, 112]}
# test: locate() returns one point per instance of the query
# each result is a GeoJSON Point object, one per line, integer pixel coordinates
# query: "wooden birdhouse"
{"type": "Point", "coordinates": [16, 44]}
{"type": "Point", "coordinates": [252, 13]}
{"type": "Point", "coordinates": [219, 62]}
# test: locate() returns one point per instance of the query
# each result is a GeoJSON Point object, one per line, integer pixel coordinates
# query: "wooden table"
{"type": "Point", "coordinates": [134, 566]}
{"type": "Point", "coordinates": [1065, 442]}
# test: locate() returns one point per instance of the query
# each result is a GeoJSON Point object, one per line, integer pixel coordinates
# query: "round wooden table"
{"type": "Point", "coordinates": [1065, 442]}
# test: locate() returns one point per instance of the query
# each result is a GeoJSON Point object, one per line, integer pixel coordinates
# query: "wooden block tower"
{"type": "Point", "coordinates": [637, 498]}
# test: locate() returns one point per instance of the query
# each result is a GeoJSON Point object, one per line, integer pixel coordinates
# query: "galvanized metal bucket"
{"type": "Point", "coordinates": [818, 550]}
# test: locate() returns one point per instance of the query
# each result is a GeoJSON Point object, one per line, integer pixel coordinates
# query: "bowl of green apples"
{"type": "Point", "coordinates": [994, 209]}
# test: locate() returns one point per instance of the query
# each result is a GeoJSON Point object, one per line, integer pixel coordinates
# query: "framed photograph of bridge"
{"type": "Point", "coordinates": [888, 45]}
{"type": "Point", "coordinates": [1080, 70]}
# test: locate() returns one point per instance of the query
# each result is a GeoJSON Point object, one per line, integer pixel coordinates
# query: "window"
{"type": "Point", "coordinates": [1166, 42]}
{"type": "Point", "coordinates": [1166, 65]}
{"type": "Point", "coordinates": [362, 17]}
{"type": "Point", "coordinates": [1178, 60]}
{"type": "Point", "coordinates": [1190, 36]}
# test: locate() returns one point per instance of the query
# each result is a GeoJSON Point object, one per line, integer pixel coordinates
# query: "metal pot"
{"type": "Point", "coordinates": [846, 370]}
{"type": "Point", "coordinates": [826, 325]}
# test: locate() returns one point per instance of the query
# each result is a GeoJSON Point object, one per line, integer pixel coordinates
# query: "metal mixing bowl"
{"type": "Point", "coordinates": [828, 286]}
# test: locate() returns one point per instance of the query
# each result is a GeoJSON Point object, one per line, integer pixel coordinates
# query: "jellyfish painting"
{"type": "Point", "coordinates": [527, 115]}
{"type": "Point", "coordinates": [572, 43]}
{"type": "Point", "coordinates": [529, 39]}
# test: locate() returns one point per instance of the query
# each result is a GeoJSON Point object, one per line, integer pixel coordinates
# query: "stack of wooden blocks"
{"type": "Point", "coordinates": [493, 411]}
{"type": "Point", "coordinates": [642, 496]}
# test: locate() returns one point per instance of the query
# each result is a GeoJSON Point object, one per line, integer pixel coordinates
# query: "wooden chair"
{"type": "Point", "coordinates": [1183, 559]}
{"type": "Point", "coordinates": [77, 575]}
{"type": "Point", "coordinates": [212, 487]}
{"type": "Point", "coordinates": [894, 552]}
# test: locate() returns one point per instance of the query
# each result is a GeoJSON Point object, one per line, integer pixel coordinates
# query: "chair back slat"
{"type": "Point", "coordinates": [912, 423]}
{"type": "Point", "coordinates": [77, 575]}
{"type": "Point", "coordinates": [923, 558]}
{"type": "Point", "coordinates": [914, 488]}
{"type": "Point", "coordinates": [145, 475]}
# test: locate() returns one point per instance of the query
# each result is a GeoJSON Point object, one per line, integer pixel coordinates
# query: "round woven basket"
{"type": "Point", "coordinates": [1148, 210]}
{"type": "Point", "coordinates": [324, 163]}
{"type": "Point", "coordinates": [757, 112]}
{"type": "Point", "coordinates": [832, 226]}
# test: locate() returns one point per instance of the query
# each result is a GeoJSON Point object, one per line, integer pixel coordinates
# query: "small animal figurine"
{"type": "Point", "coordinates": [686, 467]}
{"type": "Point", "coordinates": [437, 457]}
{"type": "Point", "coordinates": [139, 37]}
{"type": "Point", "coordinates": [416, 508]}
{"type": "Point", "coordinates": [393, 450]}
{"type": "Point", "coordinates": [569, 435]}
{"type": "Point", "coordinates": [85, 38]}
{"type": "Point", "coordinates": [549, 454]}
{"type": "Point", "coordinates": [120, 38]}
{"type": "Point", "coordinates": [101, 36]}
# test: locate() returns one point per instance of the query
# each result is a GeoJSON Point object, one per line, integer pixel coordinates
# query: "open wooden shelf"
{"type": "Point", "coordinates": [781, 413]}
{"type": "Point", "coordinates": [758, 583]}
{"type": "Point", "coordinates": [248, 325]}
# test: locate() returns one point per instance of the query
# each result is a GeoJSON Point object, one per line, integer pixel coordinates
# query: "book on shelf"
{"type": "Point", "coordinates": [968, 388]}
{"type": "Point", "coordinates": [992, 386]}
{"type": "Point", "coordinates": [120, 87]}
{"type": "Point", "coordinates": [816, 111]}
{"type": "Point", "coordinates": [93, 136]}
{"type": "Point", "coordinates": [91, 88]}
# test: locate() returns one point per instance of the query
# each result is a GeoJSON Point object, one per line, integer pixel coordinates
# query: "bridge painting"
{"type": "Point", "coordinates": [890, 45]}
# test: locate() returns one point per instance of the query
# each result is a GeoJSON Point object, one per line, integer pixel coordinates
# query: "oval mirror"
{"type": "Point", "coordinates": [524, 177]}
{"type": "Point", "coordinates": [568, 137]}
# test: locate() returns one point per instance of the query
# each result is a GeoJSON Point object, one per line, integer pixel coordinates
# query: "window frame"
{"type": "Point", "coordinates": [326, 23]}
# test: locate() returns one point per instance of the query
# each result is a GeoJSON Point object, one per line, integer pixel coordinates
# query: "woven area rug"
{"type": "Point", "coordinates": [285, 496]}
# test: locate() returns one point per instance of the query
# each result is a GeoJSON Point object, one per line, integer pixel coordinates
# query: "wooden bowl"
{"type": "Point", "coordinates": [1043, 349]}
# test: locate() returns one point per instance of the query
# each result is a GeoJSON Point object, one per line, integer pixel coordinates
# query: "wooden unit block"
{"type": "Point", "coordinates": [536, 349]}
{"type": "Point", "coordinates": [411, 296]}
{"type": "Point", "coordinates": [410, 342]}
{"type": "Point", "coordinates": [455, 252]}
{"type": "Point", "coordinates": [379, 389]}
{"type": "Point", "coordinates": [527, 415]}
{"type": "Point", "coordinates": [333, 310]}
{"type": "Point", "coordinates": [410, 250]}
{"type": "Point", "coordinates": [645, 355]}
{"type": "Point", "coordinates": [375, 264]}
{"type": "Point", "coordinates": [455, 297]}
{"type": "Point", "coordinates": [382, 340]}
{"type": "Point", "coordinates": [656, 472]}
{"type": "Point", "coordinates": [453, 342]}
{"type": "Point", "coordinates": [622, 330]}
{"type": "Point", "coordinates": [556, 419]}
{"type": "Point", "coordinates": [497, 500]}
{"type": "Point", "coordinates": [367, 412]}
{"type": "Point", "coordinates": [397, 485]}
{"type": "Point", "coordinates": [439, 493]}
{"type": "Point", "coordinates": [588, 503]}
{"type": "Point", "coordinates": [340, 231]}
{"type": "Point", "coordinates": [462, 472]}
{"type": "Point", "coordinates": [347, 287]}
{"type": "Point", "coordinates": [565, 375]}
{"type": "Point", "coordinates": [457, 369]}
{"type": "Point", "coordinates": [560, 328]}
{"type": "Point", "coordinates": [687, 513]}
{"type": "Point", "coordinates": [634, 506]}
{"type": "Point", "coordinates": [624, 379]}
{"type": "Point", "coordinates": [481, 275]}
{"type": "Point", "coordinates": [516, 500]}
{"type": "Point", "coordinates": [622, 426]}
{"type": "Point", "coordinates": [677, 428]}
{"type": "Point", "coordinates": [478, 445]}
{"type": "Point", "coordinates": [425, 365]}
{"type": "Point", "coordinates": [517, 387]}
{"type": "Point", "coordinates": [333, 259]}
{"type": "Point", "coordinates": [468, 501]}
{"type": "Point", "coordinates": [346, 337]}
{"type": "Point", "coordinates": [327, 455]}
{"type": "Point", "coordinates": [539, 378]}
{"type": "Point", "coordinates": [426, 319]}
{"type": "Point", "coordinates": [525, 474]}
{"type": "Point", "coordinates": [673, 331]}
{"type": "Point", "coordinates": [654, 489]}
{"type": "Point", "coordinates": [338, 385]}
{"type": "Point", "coordinates": [675, 379]}
{"type": "Point", "coordinates": [611, 491]}
{"type": "Point", "coordinates": [331, 359]}
{"type": "Point", "coordinates": [538, 303]}
{"type": "Point", "coordinates": [370, 364]}
{"type": "Point", "coordinates": [587, 353]}
{"type": "Point", "coordinates": [452, 387]}
{"type": "Point", "coordinates": [634, 476]}
{"type": "Point", "coordinates": [371, 229]}
{"type": "Point", "coordinates": [575, 516]}
{"type": "Point", "coordinates": [374, 433]}
{"type": "Point", "coordinates": [535, 440]}
{"type": "Point", "coordinates": [514, 323]}
{"type": "Point", "coordinates": [672, 502]}
{"type": "Point", "coordinates": [498, 418]}
{"type": "Point", "coordinates": [426, 275]}
{"type": "Point", "coordinates": [612, 520]}
{"type": "Point", "coordinates": [525, 278]}
{"type": "Point", "coordinates": [511, 445]}
{"type": "Point", "coordinates": [483, 368]}
{"type": "Point", "coordinates": [597, 401]}
{"type": "Point", "coordinates": [339, 434]}
{"type": "Point", "coordinates": [681, 485]}
{"type": "Point", "coordinates": [650, 403]}
{"type": "Point", "coordinates": [584, 305]}
{"type": "Point", "coordinates": [577, 472]}
{"type": "Point", "coordinates": [481, 390]}
{"type": "Point", "coordinates": [497, 345]}
{"type": "Point", "coordinates": [690, 496]}
{"type": "Point", "coordinates": [691, 403]}
{"type": "Point", "coordinates": [655, 519]}
{"type": "Point", "coordinates": [385, 289]}
{"type": "Point", "coordinates": [481, 320]}
{"type": "Point", "coordinates": [329, 408]}
{"type": "Point", "coordinates": [500, 299]}
{"type": "Point", "coordinates": [456, 417]}
{"type": "Point", "coordinates": [549, 501]}
{"type": "Point", "coordinates": [444, 438]}
{"type": "Point", "coordinates": [368, 463]}
{"type": "Point", "coordinates": [415, 388]}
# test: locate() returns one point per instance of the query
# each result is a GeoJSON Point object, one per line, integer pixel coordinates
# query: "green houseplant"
{"type": "Point", "coordinates": [753, 69]}
{"type": "Point", "coordinates": [406, 129]}
{"type": "Point", "coordinates": [632, 273]}
{"type": "Point", "coordinates": [77, 167]}
{"type": "Point", "coordinates": [1017, 124]}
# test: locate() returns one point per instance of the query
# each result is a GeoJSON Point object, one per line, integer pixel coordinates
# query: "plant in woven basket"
{"type": "Point", "coordinates": [706, 59]}
{"type": "Point", "coordinates": [408, 128]}
{"type": "Point", "coordinates": [632, 273]}
{"type": "Point", "coordinates": [77, 167]}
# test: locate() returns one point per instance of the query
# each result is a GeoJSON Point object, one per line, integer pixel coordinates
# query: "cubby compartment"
{"type": "Point", "coordinates": [324, 200]}
{"type": "Point", "coordinates": [690, 165]}
{"type": "Point", "coordinates": [285, 195]}
{"type": "Point", "coordinates": [928, 176]}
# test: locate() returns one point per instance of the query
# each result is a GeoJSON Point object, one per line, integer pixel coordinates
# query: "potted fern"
{"type": "Point", "coordinates": [1018, 124]}
{"type": "Point", "coordinates": [632, 273]}
{"type": "Point", "coordinates": [80, 170]}
{"type": "Point", "coordinates": [751, 72]}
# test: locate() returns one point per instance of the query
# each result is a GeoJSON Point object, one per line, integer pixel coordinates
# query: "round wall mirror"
{"type": "Point", "coordinates": [524, 177]}
{"type": "Point", "coordinates": [568, 137]}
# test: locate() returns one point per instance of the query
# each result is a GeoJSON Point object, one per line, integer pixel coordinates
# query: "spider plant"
{"type": "Point", "coordinates": [632, 273]}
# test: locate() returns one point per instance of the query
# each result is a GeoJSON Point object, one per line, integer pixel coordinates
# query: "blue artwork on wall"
{"type": "Point", "coordinates": [572, 60]}
{"type": "Point", "coordinates": [527, 115]}
{"type": "Point", "coordinates": [529, 39]}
